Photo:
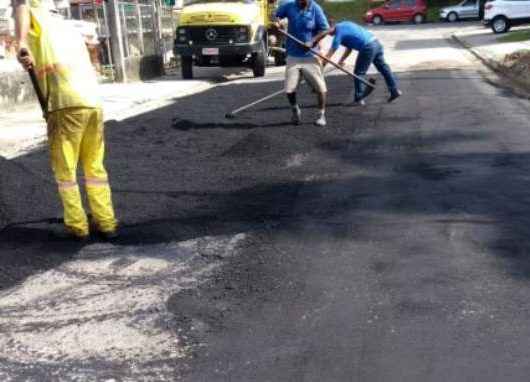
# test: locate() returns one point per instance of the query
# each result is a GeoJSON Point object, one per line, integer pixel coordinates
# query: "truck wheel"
{"type": "Point", "coordinates": [186, 63]}
{"type": "Point", "coordinates": [259, 59]}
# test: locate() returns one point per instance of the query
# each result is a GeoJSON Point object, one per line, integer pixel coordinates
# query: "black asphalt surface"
{"type": "Point", "coordinates": [392, 245]}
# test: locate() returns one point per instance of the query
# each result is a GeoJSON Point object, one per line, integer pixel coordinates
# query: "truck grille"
{"type": "Point", "coordinates": [213, 19]}
{"type": "Point", "coordinates": [216, 35]}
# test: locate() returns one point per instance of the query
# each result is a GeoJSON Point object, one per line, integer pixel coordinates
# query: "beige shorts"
{"type": "Point", "coordinates": [309, 68]}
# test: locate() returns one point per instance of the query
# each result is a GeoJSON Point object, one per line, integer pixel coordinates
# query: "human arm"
{"type": "Point", "coordinates": [321, 28]}
{"type": "Point", "coordinates": [279, 15]}
{"type": "Point", "coordinates": [346, 54]}
{"type": "Point", "coordinates": [321, 22]}
{"type": "Point", "coordinates": [22, 27]}
{"type": "Point", "coordinates": [321, 35]}
{"type": "Point", "coordinates": [335, 44]}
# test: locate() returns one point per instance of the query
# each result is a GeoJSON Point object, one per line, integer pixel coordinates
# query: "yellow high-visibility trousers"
{"type": "Point", "coordinates": [76, 134]}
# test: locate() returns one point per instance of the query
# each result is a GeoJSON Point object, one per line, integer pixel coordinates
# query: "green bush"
{"type": "Point", "coordinates": [351, 10]}
{"type": "Point", "coordinates": [516, 36]}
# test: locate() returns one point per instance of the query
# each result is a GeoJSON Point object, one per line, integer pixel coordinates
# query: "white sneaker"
{"type": "Point", "coordinates": [296, 118]}
{"type": "Point", "coordinates": [321, 121]}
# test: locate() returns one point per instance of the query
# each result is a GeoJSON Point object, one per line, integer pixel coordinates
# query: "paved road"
{"type": "Point", "coordinates": [390, 246]}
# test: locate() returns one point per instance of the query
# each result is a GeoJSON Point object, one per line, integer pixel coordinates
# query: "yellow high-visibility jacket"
{"type": "Point", "coordinates": [64, 71]}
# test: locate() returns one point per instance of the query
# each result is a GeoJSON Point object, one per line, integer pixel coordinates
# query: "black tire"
{"type": "Point", "coordinates": [186, 66]}
{"type": "Point", "coordinates": [259, 61]}
{"type": "Point", "coordinates": [418, 18]}
{"type": "Point", "coordinates": [452, 17]}
{"type": "Point", "coordinates": [500, 24]}
{"type": "Point", "coordinates": [378, 20]}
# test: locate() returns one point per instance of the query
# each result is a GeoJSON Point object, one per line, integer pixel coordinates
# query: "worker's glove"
{"type": "Point", "coordinates": [276, 25]}
{"type": "Point", "coordinates": [307, 46]}
{"type": "Point", "coordinates": [25, 58]}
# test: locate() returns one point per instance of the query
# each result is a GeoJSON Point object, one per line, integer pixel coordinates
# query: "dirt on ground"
{"type": "Point", "coordinates": [519, 64]}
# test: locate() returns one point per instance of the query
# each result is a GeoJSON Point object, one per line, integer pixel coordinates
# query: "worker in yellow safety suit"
{"type": "Point", "coordinates": [59, 57]}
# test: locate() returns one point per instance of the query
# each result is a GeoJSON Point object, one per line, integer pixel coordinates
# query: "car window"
{"type": "Point", "coordinates": [469, 3]}
{"type": "Point", "coordinates": [393, 4]}
{"type": "Point", "coordinates": [409, 3]}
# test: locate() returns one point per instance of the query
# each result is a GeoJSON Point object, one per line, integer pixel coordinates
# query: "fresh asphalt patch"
{"type": "Point", "coordinates": [390, 245]}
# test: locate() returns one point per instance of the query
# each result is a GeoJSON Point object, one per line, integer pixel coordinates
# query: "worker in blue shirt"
{"type": "Point", "coordinates": [355, 37]}
{"type": "Point", "coordinates": [306, 20]}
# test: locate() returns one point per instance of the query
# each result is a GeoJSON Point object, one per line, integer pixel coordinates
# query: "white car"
{"type": "Point", "coordinates": [467, 9]}
{"type": "Point", "coordinates": [501, 15]}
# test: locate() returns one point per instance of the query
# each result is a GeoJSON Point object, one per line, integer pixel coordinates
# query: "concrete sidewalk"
{"type": "Point", "coordinates": [486, 45]}
{"type": "Point", "coordinates": [24, 129]}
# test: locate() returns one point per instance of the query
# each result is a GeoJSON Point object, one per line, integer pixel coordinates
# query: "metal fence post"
{"type": "Point", "coordinates": [140, 28]}
{"type": "Point", "coordinates": [116, 39]}
{"type": "Point", "coordinates": [157, 26]}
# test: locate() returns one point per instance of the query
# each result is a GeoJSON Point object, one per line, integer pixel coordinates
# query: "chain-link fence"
{"type": "Point", "coordinates": [137, 27]}
{"type": "Point", "coordinates": [168, 26]}
{"type": "Point", "coordinates": [147, 28]}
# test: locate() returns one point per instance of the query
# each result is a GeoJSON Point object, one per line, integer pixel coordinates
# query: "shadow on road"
{"type": "Point", "coordinates": [184, 171]}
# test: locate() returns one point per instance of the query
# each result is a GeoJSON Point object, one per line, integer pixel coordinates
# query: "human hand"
{"type": "Point", "coordinates": [308, 46]}
{"type": "Point", "coordinates": [25, 58]}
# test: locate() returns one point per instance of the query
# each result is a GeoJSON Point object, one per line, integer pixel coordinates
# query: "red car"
{"type": "Point", "coordinates": [398, 10]}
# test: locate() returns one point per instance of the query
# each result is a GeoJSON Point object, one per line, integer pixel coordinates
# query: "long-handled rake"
{"type": "Point", "coordinates": [233, 113]}
{"type": "Point", "coordinates": [321, 56]}
{"type": "Point", "coordinates": [36, 87]}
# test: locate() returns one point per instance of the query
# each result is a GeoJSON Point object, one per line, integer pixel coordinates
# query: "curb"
{"type": "Point", "coordinates": [494, 65]}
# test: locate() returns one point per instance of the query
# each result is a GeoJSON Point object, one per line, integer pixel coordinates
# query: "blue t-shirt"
{"type": "Point", "coordinates": [351, 35]}
{"type": "Point", "coordinates": [303, 24]}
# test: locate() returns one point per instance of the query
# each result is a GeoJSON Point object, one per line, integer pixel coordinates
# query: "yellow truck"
{"type": "Point", "coordinates": [227, 33]}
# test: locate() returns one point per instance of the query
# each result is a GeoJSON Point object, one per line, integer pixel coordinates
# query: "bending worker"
{"type": "Point", "coordinates": [305, 21]}
{"type": "Point", "coordinates": [74, 117]}
{"type": "Point", "coordinates": [355, 37]}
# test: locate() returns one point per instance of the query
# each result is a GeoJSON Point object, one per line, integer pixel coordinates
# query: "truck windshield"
{"type": "Point", "coordinates": [190, 2]}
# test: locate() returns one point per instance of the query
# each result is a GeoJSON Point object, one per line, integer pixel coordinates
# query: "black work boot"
{"type": "Point", "coordinates": [394, 95]}
{"type": "Point", "coordinates": [369, 89]}
{"type": "Point", "coordinates": [108, 235]}
{"type": "Point", "coordinates": [64, 234]}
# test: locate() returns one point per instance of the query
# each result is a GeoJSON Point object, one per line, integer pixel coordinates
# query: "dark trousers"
{"type": "Point", "coordinates": [372, 54]}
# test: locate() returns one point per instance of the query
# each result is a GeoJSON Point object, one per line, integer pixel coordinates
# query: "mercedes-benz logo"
{"type": "Point", "coordinates": [211, 34]}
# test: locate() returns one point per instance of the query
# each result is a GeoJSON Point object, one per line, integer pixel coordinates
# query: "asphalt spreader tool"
{"type": "Point", "coordinates": [36, 87]}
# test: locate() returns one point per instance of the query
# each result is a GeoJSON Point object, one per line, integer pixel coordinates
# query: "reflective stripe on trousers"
{"type": "Point", "coordinates": [76, 134]}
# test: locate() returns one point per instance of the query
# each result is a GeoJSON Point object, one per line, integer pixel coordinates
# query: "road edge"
{"type": "Point", "coordinates": [521, 87]}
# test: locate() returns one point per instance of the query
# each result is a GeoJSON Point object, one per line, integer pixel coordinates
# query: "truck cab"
{"type": "Point", "coordinates": [226, 33]}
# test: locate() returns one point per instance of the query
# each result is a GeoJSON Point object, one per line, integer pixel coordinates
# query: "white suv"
{"type": "Point", "coordinates": [501, 15]}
